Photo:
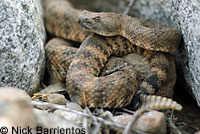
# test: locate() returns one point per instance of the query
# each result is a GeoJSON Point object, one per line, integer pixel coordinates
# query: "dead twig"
{"type": "Point", "coordinates": [56, 106]}
{"type": "Point", "coordinates": [131, 3]}
{"type": "Point", "coordinates": [129, 111]}
{"type": "Point", "coordinates": [85, 122]}
{"type": "Point", "coordinates": [172, 127]}
{"type": "Point", "coordinates": [115, 69]}
{"type": "Point", "coordinates": [97, 125]}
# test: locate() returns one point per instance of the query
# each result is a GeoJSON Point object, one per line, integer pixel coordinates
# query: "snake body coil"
{"type": "Point", "coordinates": [84, 82]}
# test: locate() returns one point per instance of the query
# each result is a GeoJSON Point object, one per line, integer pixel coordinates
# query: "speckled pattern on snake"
{"type": "Point", "coordinates": [103, 35]}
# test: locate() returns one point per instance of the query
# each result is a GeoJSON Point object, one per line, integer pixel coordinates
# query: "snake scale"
{"type": "Point", "coordinates": [103, 35]}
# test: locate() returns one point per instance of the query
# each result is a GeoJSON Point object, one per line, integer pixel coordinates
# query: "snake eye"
{"type": "Point", "coordinates": [97, 18]}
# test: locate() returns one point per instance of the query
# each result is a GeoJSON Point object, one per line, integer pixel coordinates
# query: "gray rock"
{"type": "Point", "coordinates": [182, 14]}
{"type": "Point", "coordinates": [22, 37]}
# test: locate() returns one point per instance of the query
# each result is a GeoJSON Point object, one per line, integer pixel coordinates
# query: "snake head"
{"type": "Point", "coordinates": [106, 24]}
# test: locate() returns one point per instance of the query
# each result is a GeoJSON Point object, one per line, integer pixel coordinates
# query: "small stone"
{"type": "Point", "coordinates": [152, 122]}
{"type": "Point", "coordinates": [70, 116]}
{"type": "Point", "coordinates": [74, 106]}
{"type": "Point", "coordinates": [52, 120]}
{"type": "Point", "coordinates": [16, 108]}
{"type": "Point", "coordinates": [56, 99]}
{"type": "Point", "coordinates": [122, 119]}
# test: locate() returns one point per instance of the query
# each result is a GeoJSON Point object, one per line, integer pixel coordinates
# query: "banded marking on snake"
{"type": "Point", "coordinates": [84, 85]}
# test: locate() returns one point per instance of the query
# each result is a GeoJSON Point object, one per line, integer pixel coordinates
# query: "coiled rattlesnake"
{"type": "Point", "coordinates": [84, 83]}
